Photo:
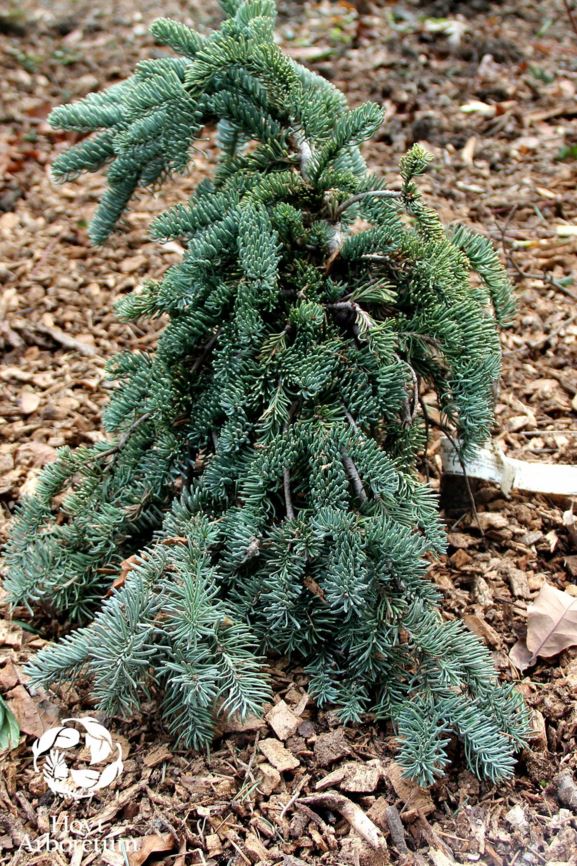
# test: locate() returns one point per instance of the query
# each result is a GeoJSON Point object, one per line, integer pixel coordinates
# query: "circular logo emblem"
{"type": "Point", "coordinates": [72, 757]}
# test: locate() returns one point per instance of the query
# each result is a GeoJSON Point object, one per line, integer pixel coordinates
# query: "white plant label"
{"type": "Point", "coordinates": [491, 464]}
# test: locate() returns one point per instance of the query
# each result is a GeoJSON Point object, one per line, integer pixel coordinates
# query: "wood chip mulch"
{"type": "Point", "coordinates": [296, 787]}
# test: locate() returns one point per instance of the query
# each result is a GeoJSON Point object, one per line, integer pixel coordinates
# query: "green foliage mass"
{"type": "Point", "coordinates": [260, 466]}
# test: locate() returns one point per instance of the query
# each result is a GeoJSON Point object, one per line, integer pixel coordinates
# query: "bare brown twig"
{"type": "Point", "coordinates": [396, 828]}
{"type": "Point", "coordinates": [376, 193]}
{"type": "Point", "coordinates": [122, 439]}
{"type": "Point", "coordinates": [290, 512]}
{"type": "Point", "coordinates": [571, 15]}
{"type": "Point", "coordinates": [354, 476]}
{"type": "Point", "coordinates": [544, 277]}
{"type": "Point", "coordinates": [352, 813]}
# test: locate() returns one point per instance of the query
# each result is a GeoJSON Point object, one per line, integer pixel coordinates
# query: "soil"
{"type": "Point", "coordinates": [261, 795]}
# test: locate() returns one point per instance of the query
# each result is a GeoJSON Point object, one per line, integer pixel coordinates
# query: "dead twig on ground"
{"type": "Point", "coordinates": [295, 796]}
{"type": "Point", "coordinates": [397, 830]}
{"type": "Point", "coordinates": [571, 15]}
{"type": "Point", "coordinates": [67, 340]}
{"type": "Point", "coordinates": [544, 277]}
{"type": "Point", "coordinates": [352, 813]}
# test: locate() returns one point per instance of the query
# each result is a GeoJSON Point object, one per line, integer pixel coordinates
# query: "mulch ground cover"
{"type": "Point", "coordinates": [493, 96]}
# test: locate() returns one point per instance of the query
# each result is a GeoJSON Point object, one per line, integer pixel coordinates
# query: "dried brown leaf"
{"type": "Point", "coordinates": [26, 711]}
{"type": "Point", "coordinates": [412, 795]}
{"type": "Point", "coordinates": [551, 627]}
{"type": "Point", "coordinates": [151, 845]}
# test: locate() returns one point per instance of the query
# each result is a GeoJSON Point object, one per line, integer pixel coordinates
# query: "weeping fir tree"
{"type": "Point", "coordinates": [260, 466]}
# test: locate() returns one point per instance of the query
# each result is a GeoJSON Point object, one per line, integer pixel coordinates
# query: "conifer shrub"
{"type": "Point", "coordinates": [260, 463]}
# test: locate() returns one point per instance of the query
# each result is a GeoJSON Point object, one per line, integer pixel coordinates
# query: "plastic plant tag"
{"type": "Point", "coordinates": [491, 464]}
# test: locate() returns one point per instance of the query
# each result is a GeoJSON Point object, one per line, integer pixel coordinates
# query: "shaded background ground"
{"type": "Point", "coordinates": [497, 169]}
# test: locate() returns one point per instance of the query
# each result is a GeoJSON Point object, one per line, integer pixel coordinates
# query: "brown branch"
{"type": "Point", "coordinates": [376, 257]}
{"type": "Point", "coordinates": [570, 15]}
{"type": "Point", "coordinates": [67, 340]}
{"type": "Point", "coordinates": [423, 406]}
{"type": "Point", "coordinates": [305, 151]}
{"type": "Point", "coordinates": [286, 480]}
{"type": "Point", "coordinates": [204, 352]}
{"type": "Point", "coordinates": [377, 193]}
{"type": "Point", "coordinates": [354, 476]}
{"type": "Point", "coordinates": [466, 479]}
{"type": "Point", "coordinates": [350, 419]}
{"type": "Point", "coordinates": [410, 413]}
{"type": "Point", "coordinates": [306, 778]}
{"type": "Point", "coordinates": [122, 440]}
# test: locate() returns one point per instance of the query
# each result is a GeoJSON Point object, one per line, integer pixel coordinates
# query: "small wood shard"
{"type": "Point", "coordinates": [282, 720]}
{"type": "Point", "coordinates": [278, 756]}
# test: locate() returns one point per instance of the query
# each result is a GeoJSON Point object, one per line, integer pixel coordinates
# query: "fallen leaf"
{"type": "Point", "coordinates": [412, 795]}
{"type": "Point", "coordinates": [551, 627]}
{"type": "Point", "coordinates": [26, 712]}
{"type": "Point", "coordinates": [9, 676]}
{"type": "Point", "coordinates": [520, 655]}
{"type": "Point", "coordinates": [151, 845]}
{"type": "Point", "coordinates": [181, 858]}
{"type": "Point", "coordinates": [9, 730]}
